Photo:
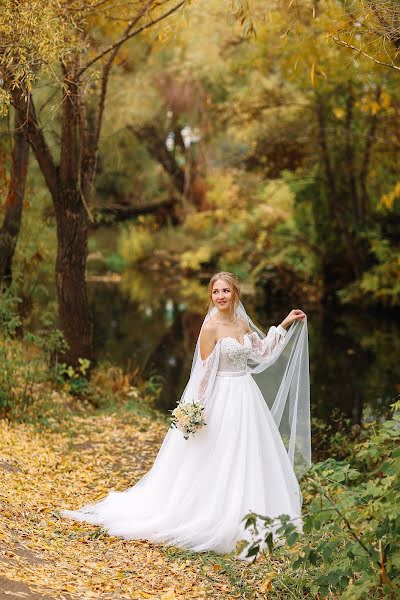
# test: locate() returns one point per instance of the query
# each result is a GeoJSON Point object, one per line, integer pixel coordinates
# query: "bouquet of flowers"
{"type": "Point", "coordinates": [188, 418]}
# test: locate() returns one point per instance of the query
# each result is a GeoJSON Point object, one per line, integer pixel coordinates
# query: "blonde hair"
{"type": "Point", "coordinates": [233, 283]}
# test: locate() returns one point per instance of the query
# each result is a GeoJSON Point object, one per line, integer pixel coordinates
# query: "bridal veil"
{"type": "Point", "coordinates": [283, 378]}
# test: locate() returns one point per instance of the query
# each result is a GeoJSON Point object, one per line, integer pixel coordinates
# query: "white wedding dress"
{"type": "Point", "coordinates": [198, 490]}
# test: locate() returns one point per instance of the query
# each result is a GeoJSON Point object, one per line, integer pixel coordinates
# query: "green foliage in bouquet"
{"type": "Point", "coordinates": [188, 418]}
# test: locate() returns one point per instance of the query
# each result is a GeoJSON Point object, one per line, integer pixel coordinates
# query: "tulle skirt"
{"type": "Point", "coordinates": [198, 490]}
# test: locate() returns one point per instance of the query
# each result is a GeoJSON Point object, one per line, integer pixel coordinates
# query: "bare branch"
{"type": "Point", "coordinates": [92, 6]}
{"type": "Point", "coordinates": [89, 157]}
{"type": "Point", "coordinates": [391, 32]}
{"type": "Point", "coordinates": [108, 65]}
{"type": "Point", "coordinates": [131, 34]}
{"type": "Point", "coordinates": [37, 140]}
{"type": "Point", "coordinates": [359, 51]}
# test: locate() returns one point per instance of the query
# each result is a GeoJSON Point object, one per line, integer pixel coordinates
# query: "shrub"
{"type": "Point", "coordinates": [25, 357]}
{"type": "Point", "coordinates": [351, 522]}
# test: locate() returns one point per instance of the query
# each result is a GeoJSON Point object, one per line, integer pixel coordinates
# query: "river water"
{"type": "Point", "coordinates": [353, 355]}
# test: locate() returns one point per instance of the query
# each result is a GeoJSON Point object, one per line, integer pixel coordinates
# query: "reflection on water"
{"type": "Point", "coordinates": [353, 356]}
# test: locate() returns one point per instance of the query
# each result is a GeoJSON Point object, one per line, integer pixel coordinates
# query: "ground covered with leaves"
{"type": "Point", "coordinates": [66, 462]}
{"type": "Point", "coordinates": [58, 452]}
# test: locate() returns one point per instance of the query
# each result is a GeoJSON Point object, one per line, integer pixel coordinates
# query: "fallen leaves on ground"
{"type": "Point", "coordinates": [66, 466]}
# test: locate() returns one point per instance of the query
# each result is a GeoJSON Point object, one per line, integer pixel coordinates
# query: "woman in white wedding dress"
{"type": "Point", "coordinates": [199, 489]}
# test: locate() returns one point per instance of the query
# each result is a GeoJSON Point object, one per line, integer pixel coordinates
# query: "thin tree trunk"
{"type": "Point", "coordinates": [72, 234]}
{"type": "Point", "coordinates": [156, 147]}
{"type": "Point", "coordinates": [12, 220]}
{"type": "Point", "coordinates": [334, 200]}
{"type": "Point", "coordinates": [349, 151]}
{"type": "Point", "coordinates": [369, 143]}
{"type": "Point", "coordinates": [74, 314]}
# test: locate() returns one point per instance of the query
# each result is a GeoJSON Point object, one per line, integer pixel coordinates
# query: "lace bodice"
{"type": "Point", "coordinates": [233, 354]}
{"type": "Point", "coordinates": [229, 355]}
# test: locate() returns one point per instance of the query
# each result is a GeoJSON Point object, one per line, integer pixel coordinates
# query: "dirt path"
{"type": "Point", "coordinates": [44, 556]}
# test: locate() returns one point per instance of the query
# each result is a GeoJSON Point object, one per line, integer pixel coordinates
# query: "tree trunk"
{"type": "Point", "coordinates": [350, 155]}
{"type": "Point", "coordinates": [72, 233]}
{"type": "Point", "coordinates": [74, 314]}
{"type": "Point", "coordinates": [369, 144]}
{"type": "Point", "coordinates": [154, 142]}
{"type": "Point", "coordinates": [12, 220]}
{"type": "Point", "coordinates": [334, 200]}
{"type": "Point", "coordinates": [71, 182]}
{"type": "Point", "coordinates": [72, 224]}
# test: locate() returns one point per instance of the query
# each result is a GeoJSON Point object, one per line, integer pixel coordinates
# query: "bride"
{"type": "Point", "coordinates": [198, 490]}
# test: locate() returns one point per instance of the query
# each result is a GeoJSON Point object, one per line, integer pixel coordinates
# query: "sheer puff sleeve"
{"type": "Point", "coordinates": [263, 350]}
{"type": "Point", "coordinates": [201, 382]}
{"type": "Point", "coordinates": [206, 380]}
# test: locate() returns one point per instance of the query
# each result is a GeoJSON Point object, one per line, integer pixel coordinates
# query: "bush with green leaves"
{"type": "Point", "coordinates": [74, 379]}
{"type": "Point", "coordinates": [351, 520]}
{"type": "Point", "coordinates": [25, 357]}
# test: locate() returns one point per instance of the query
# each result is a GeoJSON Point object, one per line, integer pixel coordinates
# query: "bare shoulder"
{"type": "Point", "coordinates": [209, 327]}
{"type": "Point", "coordinates": [209, 331]}
{"type": "Point", "coordinates": [207, 339]}
{"type": "Point", "coordinates": [244, 325]}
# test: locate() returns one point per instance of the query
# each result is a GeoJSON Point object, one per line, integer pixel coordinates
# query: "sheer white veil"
{"type": "Point", "coordinates": [283, 379]}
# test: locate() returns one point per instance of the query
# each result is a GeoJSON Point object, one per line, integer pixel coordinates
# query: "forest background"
{"type": "Point", "coordinates": [146, 145]}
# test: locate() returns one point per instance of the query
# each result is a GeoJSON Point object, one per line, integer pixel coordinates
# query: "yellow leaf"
{"type": "Point", "coordinates": [266, 585]}
{"type": "Point", "coordinates": [374, 107]}
{"type": "Point", "coordinates": [387, 200]}
{"type": "Point", "coordinates": [312, 74]}
{"type": "Point", "coordinates": [170, 595]}
{"type": "Point", "coordinates": [385, 100]}
{"type": "Point", "coordinates": [338, 112]}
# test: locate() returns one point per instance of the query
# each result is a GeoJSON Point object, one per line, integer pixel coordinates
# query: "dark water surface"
{"type": "Point", "coordinates": [353, 355]}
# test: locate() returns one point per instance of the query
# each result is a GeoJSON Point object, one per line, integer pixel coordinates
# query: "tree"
{"type": "Point", "coordinates": [13, 210]}
{"type": "Point", "coordinates": [370, 29]}
{"type": "Point", "coordinates": [287, 106]}
{"type": "Point", "coordinates": [70, 42]}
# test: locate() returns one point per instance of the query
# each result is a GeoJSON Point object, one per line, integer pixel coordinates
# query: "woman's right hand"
{"type": "Point", "coordinates": [295, 315]}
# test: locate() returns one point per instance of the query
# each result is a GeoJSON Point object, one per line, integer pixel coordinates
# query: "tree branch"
{"type": "Point", "coordinates": [375, 60]}
{"type": "Point", "coordinates": [91, 6]}
{"type": "Point", "coordinates": [155, 145]}
{"type": "Point", "coordinates": [37, 141]}
{"type": "Point", "coordinates": [130, 35]}
{"type": "Point", "coordinates": [69, 147]}
{"type": "Point", "coordinates": [390, 32]}
{"type": "Point", "coordinates": [90, 149]}
{"type": "Point", "coordinates": [349, 527]}
{"type": "Point", "coordinates": [126, 211]}
{"type": "Point", "coordinates": [108, 65]}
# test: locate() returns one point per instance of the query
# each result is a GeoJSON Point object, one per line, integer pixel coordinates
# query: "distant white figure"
{"type": "Point", "coordinates": [189, 136]}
